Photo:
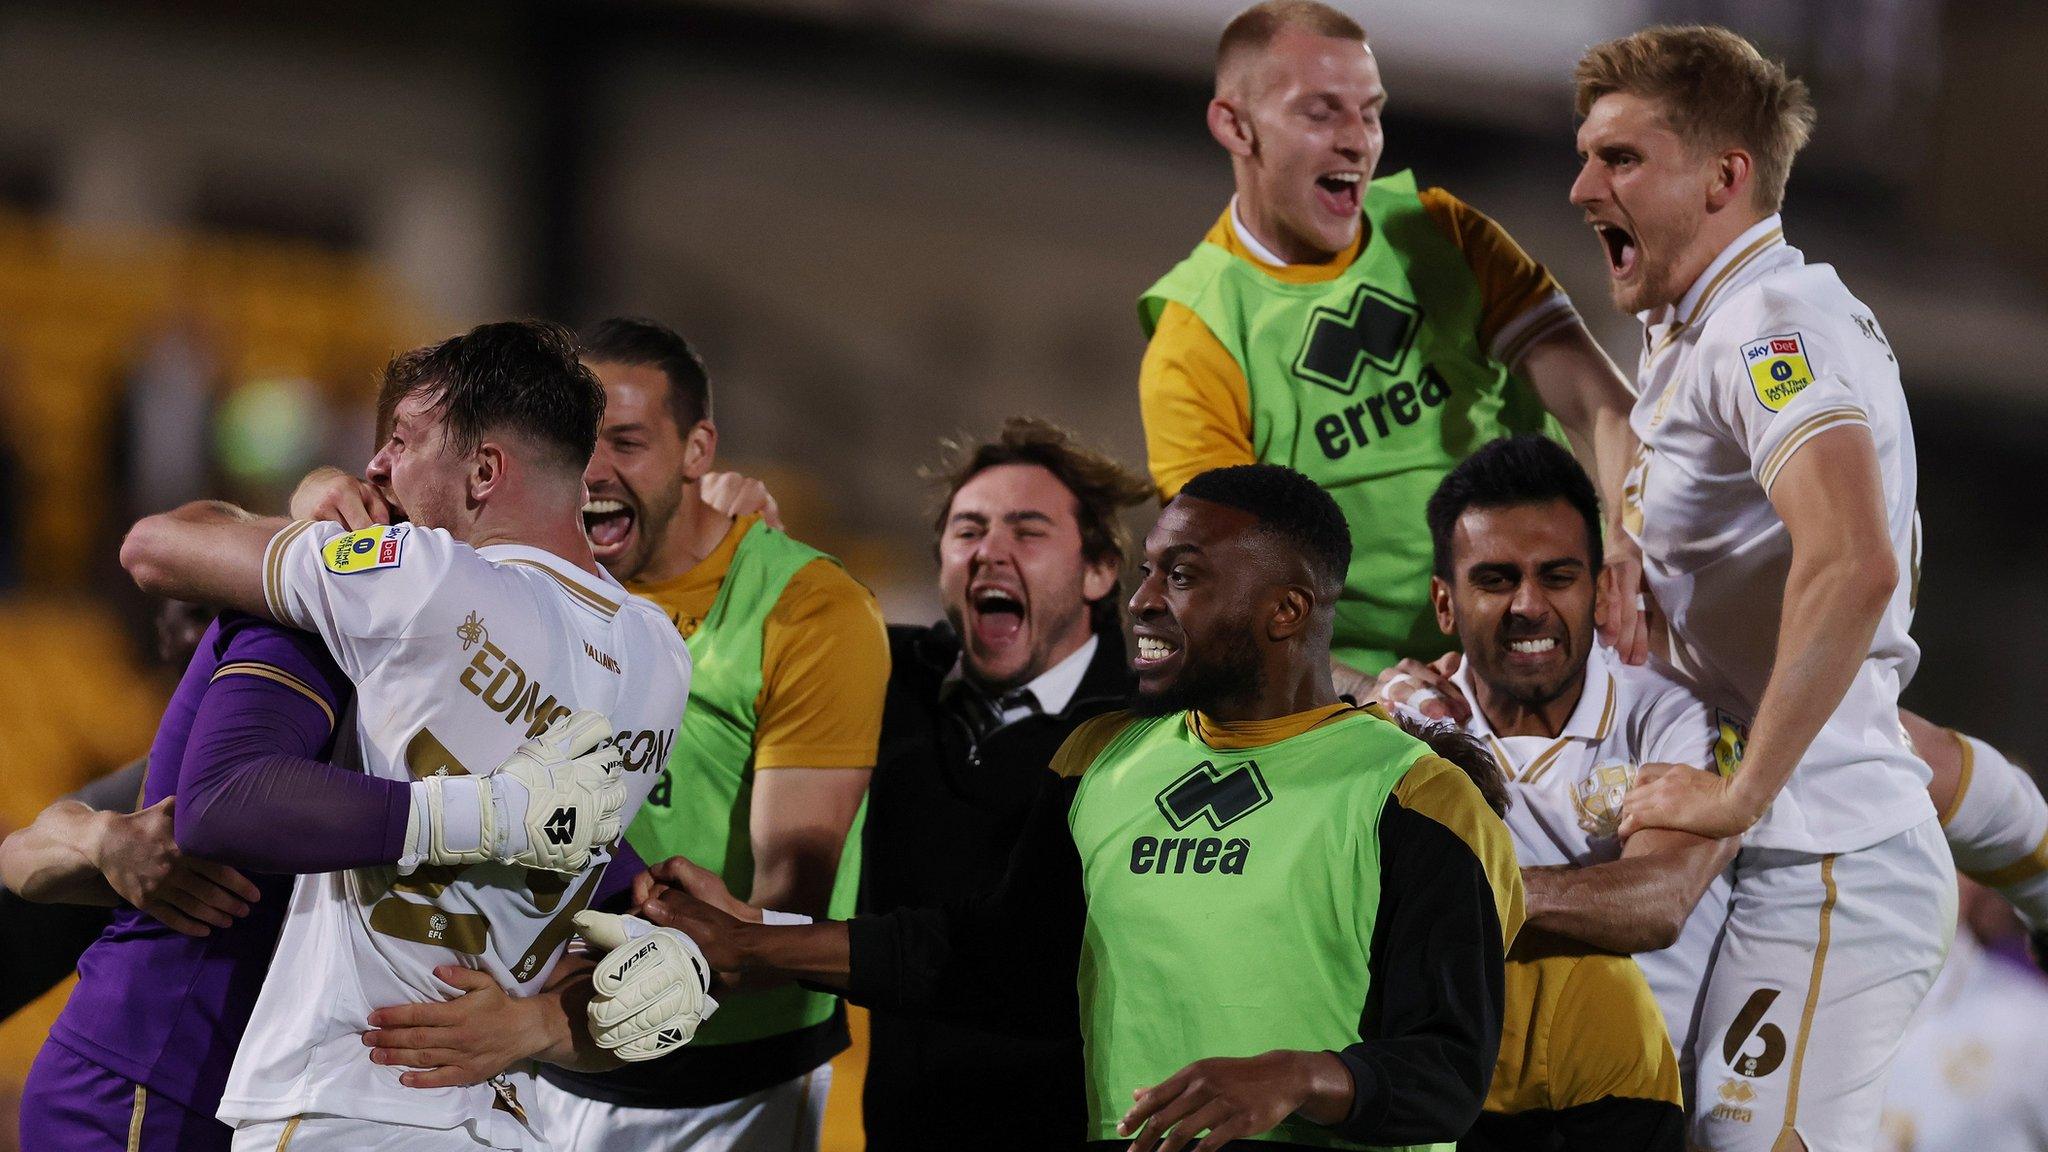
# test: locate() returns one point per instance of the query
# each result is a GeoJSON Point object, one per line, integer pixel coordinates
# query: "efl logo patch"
{"type": "Point", "coordinates": [364, 550]}
{"type": "Point", "coordinates": [1777, 369]}
{"type": "Point", "coordinates": [1731, 739]}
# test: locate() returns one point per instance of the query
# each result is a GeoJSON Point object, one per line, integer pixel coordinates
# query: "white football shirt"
{"type": "Point", "coordinates": [1968, 1073]}
{"type": "Point", "coordinates": [1763, 353]}
{"type": "Point", "coordinates": [458, 655]}
{"type": "Point", "coordinates": [1568, 791]}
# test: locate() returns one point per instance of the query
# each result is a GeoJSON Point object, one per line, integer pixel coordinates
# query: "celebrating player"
{"type": "Point", "coordinates": [1362, 331]}
{"type": "Point", "coordinates": [1774, 500]}
{"type": "Point", "coordinates": [791, 663]}
{"type": "Point", "coordinates": [1160, 877]}
{"type": "Point", "coordinates": [464, 631]}
{"type": "Point", "coordinates": [1516, 529]}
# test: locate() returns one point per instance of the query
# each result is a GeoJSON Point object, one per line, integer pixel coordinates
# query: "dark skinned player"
{"type": "Point", "coordinates": [1273, 916]}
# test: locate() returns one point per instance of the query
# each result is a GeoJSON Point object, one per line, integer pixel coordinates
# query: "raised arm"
{"type": "Point", "coordinates": [207, 552]}
{"type": "Point", "coordinates": [1586, 392]}
{"type": "Point", "coordinates": [1842, 577]}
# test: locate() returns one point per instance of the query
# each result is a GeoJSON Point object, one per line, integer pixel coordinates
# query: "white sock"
{"type": "Point", "coordinates": [1997, 829]}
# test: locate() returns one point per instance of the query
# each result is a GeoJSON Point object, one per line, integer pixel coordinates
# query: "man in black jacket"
{"type": "Point", "coordinates": [1030, 548]}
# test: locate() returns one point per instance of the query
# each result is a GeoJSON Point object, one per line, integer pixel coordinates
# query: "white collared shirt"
{"type": "Point", "coordinates": [1764, 352]}
{"type": "Point", "coordinates": [1049, 692]}
{"type": "Point", "coordinates": [1567, 799]}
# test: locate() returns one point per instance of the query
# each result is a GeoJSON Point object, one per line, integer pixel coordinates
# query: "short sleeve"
{"type": "Point", "coordinates": [1680, 730]}
{"type": "Point", "coordinates": [1778, 381]}
{"type": "Point", "coordinates": [1520, 301]}
{"type": "Point", "coordinates": [825, 671]}
{"type": "Point", "coordinates": [1194, 401]}
{"type": "Point", "coordinates": [357, 590]}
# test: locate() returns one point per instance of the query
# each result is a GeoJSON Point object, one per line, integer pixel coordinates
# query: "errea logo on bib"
{"type": "Point", "coordinates": [365, 549]}
{"type": "Point", "coordinates": [1777, 369]}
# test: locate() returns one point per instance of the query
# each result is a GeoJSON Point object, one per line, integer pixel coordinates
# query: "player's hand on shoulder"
{"type": "Point", "coordinates": [1426, 689]}
{"type": "Point", "coordinates": [331, 494]}
{"type": "Point", "coordinates": [734, 494]}
{"type": "Point", "coordinates": [651, 989]}
{"type": "Point", "coordinates": [548, 806]}
{"type": "Point", "coordinates": [139, 856]}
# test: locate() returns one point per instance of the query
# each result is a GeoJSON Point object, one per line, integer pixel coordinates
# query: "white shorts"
{"type": "Point", "coordinates": [318, 1133]}
{"type": "Point", "coordinates": [1822, 963]}
{"type": "Point", "coordinates": [787, 1117]}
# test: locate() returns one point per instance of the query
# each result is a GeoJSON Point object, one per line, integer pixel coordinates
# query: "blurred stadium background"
{"type": "Point", "coordinates": [882, 221]}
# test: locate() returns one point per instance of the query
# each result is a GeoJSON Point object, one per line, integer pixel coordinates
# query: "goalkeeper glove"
{"type": "Point", "coordinates": [547, 806]}
{"type": "Point", "coordinates": [653, 987]}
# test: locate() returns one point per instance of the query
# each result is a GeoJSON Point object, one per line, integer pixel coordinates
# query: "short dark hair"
{"type": "Point", "coordinates": [1513, 470]}
{"type": "Point", "coordinates": [1452, 743]}
{"type": "Point", "coordinates": [1102, 489]}
{"type": "Point", "coordinates": [1289, 505]}
{"type": "Point", "coordinates": [1254, 28]}
{"type": "Point", "coordinates": [520, 376]}
{"type": "Point", "coordinates": [636, 342]}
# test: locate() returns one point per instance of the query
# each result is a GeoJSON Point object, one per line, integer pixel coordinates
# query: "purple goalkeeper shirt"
{"type": "Point", "coordinates": [164, 1009]}
{"type": "Point", "coordinates": [243, 745]}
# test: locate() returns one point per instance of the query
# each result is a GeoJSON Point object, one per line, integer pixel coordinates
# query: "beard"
{"type": "Point", "coordinates": [1234, 672]}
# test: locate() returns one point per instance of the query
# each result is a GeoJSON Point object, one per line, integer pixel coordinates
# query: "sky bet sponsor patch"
{"type": "Point", "coordinates": [1777, 369]}
{"type": "Point", "coordinates": [364, 550]}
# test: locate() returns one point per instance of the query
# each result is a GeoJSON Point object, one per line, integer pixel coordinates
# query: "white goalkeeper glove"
{"type": "Point", "coordinates": [653, 987]}
{"type": "Point", "coordinates": [547, 806]}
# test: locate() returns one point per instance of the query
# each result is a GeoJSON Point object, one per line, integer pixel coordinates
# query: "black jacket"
{"type": "Point", "coordinates": [944, 812]}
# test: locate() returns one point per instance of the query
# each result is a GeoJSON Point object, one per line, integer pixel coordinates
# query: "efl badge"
{"type": "Point", "coordinates": [1777, 369]}
{"type": "Point", "coordinates": [364, 550]}
{"type": "Point", "coordinates": [1731, 736]}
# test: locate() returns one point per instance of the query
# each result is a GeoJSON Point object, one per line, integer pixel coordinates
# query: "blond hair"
{"type": "Point", "coordinates": [1252, 29]}
{"type": "Point", "coordinates": [1716, 89]}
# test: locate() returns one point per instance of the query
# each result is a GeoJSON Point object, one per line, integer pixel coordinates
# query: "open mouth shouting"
{"type": "Point", "coordinates": [1338, 192]}
{"type": "Point", "coordinates": [609, 524]}
{"type": "Point", "coordinates": [996, 617]}
{"type": "Point", "coordinates": [1620, 245]}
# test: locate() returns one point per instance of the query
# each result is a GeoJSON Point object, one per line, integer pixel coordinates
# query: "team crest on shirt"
{"type": "Point", "coordinates": [365, 550]}
{"type": "Point", "coordinates": [1731, 736]}
{"type": "Point", "coordinates": [1777, 369]}
{"type": "Point", "coordinates": [1598, 796]}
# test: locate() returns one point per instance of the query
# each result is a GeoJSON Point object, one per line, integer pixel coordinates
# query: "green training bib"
{"type": "Point", "coordinates": [1231, 900]}
{"type": "Point", "coordinates": [700, 807]}
{"type": "Point", "coordinates": [1375, 385]}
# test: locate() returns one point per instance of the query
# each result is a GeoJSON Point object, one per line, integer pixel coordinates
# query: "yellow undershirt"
{"type": "Point", "coordinates": [824, 658]}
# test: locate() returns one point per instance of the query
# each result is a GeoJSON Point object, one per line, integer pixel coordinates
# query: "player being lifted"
{"type": "Point", "coordinates": [463, 631]}
{"type": "Point", "coordinates": [1366, 332]}
{"type": "Point", "coordinates": [1774, 500]}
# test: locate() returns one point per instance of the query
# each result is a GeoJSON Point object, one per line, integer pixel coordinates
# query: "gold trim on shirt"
{"type": "Point", "coordinates": [273, 567]}
{"type": "Point", "coordinates": [589, 599]}
{"type": "Point", "coordinates": [1955, 800]}
{"type": "Point", "coordinates": [1806, 430]}
{"type": "Point", "coordinates": [276, 675]}
{"type": "Point", "coordinates": [135, 1119]}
